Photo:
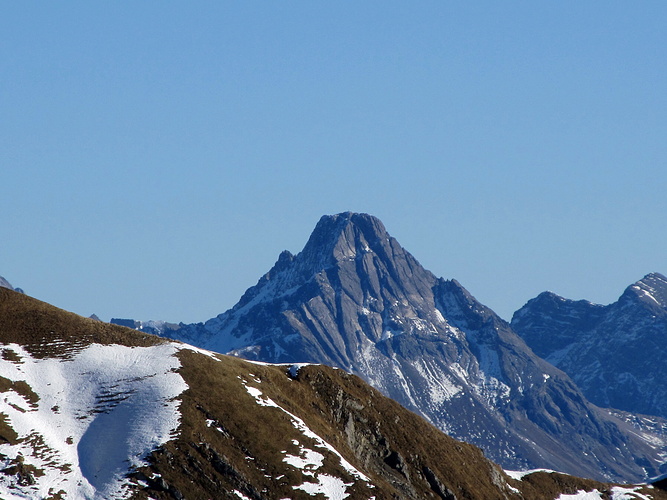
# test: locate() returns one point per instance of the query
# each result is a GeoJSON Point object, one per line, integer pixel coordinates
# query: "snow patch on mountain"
{"type": "Point", "coordinates": [646, 292]}
{"type": "Point", "coordinates": [439, 385]}
{"type": "Point", "coordinates": [85, 421]}
{"type": "Point", "coordinates": [617, 493]}
{"type": "Point", "coordinates": [331, 487]}
{"type": "Point", "coordinates": [309, 461]}
{"type": "Point", "coordinates": [582, 495]}
{"type": "Point", "coordinates": [519, 475]}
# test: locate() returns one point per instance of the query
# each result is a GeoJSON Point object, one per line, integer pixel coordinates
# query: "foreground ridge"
{"type": "Point", "coordinates": [234, 429]}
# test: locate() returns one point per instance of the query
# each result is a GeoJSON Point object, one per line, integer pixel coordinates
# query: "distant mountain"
{"type": "Point", "coordinates": [97, 411]}
{"type": "Point", "coordinates": [5, 284]}
{"type": "Point", "coordinates": [153, 327]}
{"type": "Point", "coordinates": [355, 299]}
{"type": "Point", "coordinates": [615, 353]}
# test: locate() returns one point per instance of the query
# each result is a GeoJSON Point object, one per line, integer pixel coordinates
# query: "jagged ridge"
{"type": "Point", "coordinates": [614, 352]}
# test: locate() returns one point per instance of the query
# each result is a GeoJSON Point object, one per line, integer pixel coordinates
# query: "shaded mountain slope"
{"type": "Point", "coordinates": [615, 353]}
{"type": "Point", "coordinates": [355, 299]}
{"type": "Point", "coordinates": [242, 430]}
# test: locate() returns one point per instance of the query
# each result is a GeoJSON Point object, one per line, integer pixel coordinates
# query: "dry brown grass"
{"type": "Point", "coordinates": [46, 331]}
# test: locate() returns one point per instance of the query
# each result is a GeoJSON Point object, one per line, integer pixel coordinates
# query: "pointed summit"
{"type": "Point", "coordinates": [342, 237]}
{"type": "Point", "coordinates": [349, 255]}
{"type": "Point", "coordinates": [336, 245]}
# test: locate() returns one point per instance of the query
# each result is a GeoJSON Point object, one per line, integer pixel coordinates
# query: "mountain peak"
{"type": "Point", "coordinates": [342, 237]}
{"type": "Point", "coordinates": [331, 228]}
{"type": "Point", "coordinates": [340, 240]}
{"type": "Point", "coordinates": [607, 349]}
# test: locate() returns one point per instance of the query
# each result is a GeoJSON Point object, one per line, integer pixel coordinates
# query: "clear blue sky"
{"type": "Point", "coordinates": [156, 157]}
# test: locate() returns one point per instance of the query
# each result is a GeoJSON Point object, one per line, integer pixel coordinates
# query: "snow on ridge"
{"type": "Point", "coordinates": [582, 495]}
{"type": "Point", "coordinates": [617, 493]}
{"type": "Point", "coordinates": [519, 475]}
{"type": "Point", "coordinates": [99, 413]}
{"type": "Point", "coordinates": [295, 367]}
{"type": "Point", "coordinates": [205, 352]}
{"type": "Point", "coordinates": [646, 292]}
{"type": "Point", "coordinates": [627, 493]}
{"type": "Point", "coordinates": [292, 368]}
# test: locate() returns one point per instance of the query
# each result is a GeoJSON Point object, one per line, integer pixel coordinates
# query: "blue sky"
{"type": "Point", "coordinates": [156, 157]}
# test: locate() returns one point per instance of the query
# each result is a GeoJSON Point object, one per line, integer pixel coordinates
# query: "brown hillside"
{"type": "Point", "coordinates": [45, 330]}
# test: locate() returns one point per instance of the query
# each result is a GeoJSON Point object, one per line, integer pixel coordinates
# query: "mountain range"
{"type": "Point", "coordinates": [354, 299]}
{"type": "Point", "coordinates": [97, 411]}
{"type": "Point", "coordinates": [615, 353]}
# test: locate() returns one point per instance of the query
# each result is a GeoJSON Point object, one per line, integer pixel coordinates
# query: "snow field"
{"type": "Point", "coordinates": [617, 493]}
{"type": "Point", "coordinates": [99, 413]}
{"type": "Point", "coordinates": [519, 475]}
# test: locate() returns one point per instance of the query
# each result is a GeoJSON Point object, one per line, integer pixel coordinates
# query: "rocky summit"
{"type": "Point", "coordinates": [353, 298]}
{"type": "Point", "coordinates": [613, 352]}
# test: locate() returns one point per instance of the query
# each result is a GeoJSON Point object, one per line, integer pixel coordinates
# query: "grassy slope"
{"type": "Point", "coordinates": [45, 330]}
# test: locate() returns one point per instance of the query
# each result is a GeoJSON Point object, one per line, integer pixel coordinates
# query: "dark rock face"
{"type": "Point", "coordinates": [355, 299]}
{"type": "Point", "coordinates": [614, 353]}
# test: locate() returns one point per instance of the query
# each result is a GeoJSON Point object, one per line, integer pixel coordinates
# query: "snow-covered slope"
{"type": "Point", "coordinates": [355, 299]}
{"type": "Point", "coordinates": [615, 353]}
{"type": "Point", "coordinates": [83, 420]}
